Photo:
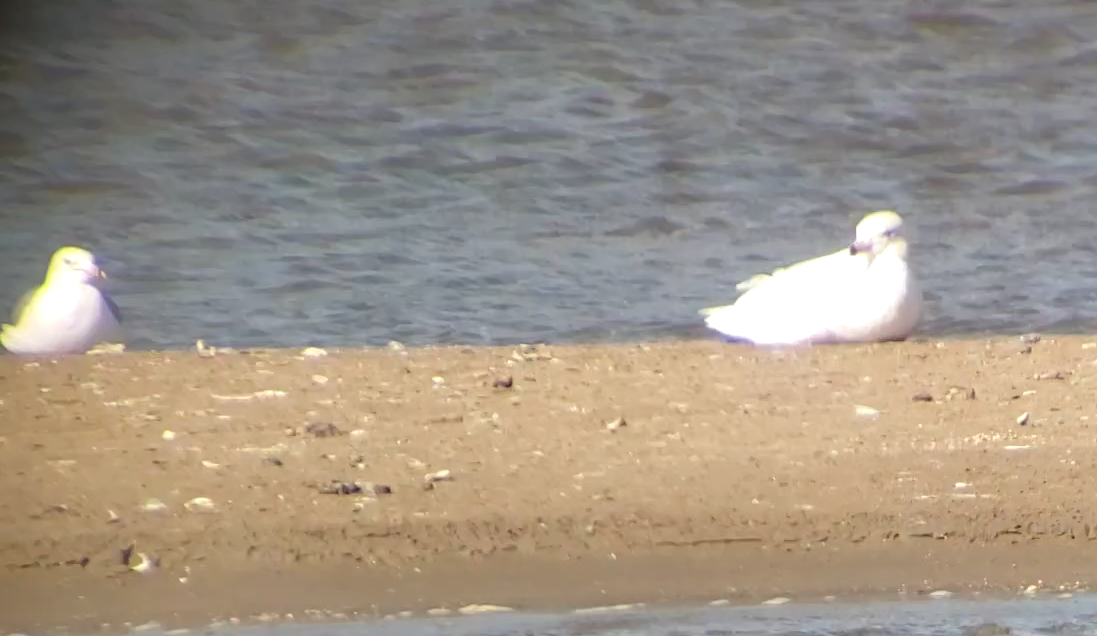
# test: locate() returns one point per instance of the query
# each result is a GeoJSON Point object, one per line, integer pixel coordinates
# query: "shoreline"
{"type": "Point", "coordinates": [519, 587]}
{"type": "Point", "coordinates": [579, 475]}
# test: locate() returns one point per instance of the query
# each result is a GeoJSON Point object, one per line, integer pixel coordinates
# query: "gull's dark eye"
{"type": "Point", "coordinates": [70, 262]}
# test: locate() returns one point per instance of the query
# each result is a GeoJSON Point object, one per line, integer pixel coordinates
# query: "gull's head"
{"type": "Point", "coordinates": [74, 264]}
{"type": "Point", "coordinates": [877, 232]}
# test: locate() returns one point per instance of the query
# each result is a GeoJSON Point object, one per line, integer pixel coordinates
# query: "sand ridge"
{"type": "Point", "coordinates": [626, 472]}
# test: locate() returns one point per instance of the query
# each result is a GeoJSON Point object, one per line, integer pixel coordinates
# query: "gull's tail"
{"type": "Point", "coordinates": [708, 311]}
{"type": "Point", "coordinates": [6, 332]}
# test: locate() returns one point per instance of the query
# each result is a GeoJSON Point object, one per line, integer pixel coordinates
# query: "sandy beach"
{"type": "Point", "coordinates": [371, 482]}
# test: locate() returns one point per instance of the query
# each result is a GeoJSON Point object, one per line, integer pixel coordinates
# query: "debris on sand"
{"type": "Point", "coordinates": [483, 608]}
{"type": "Point", "coordinates": [431, 478]}
{"type": "Point", "coordinates": [203, 350]}
{"type": "Point", "coordinates": [960, 393]}
{"type": "Point", "coordinates": [531, 353]}
{"type": "Point", "coordinates": [153, 505]}
{"type": "Point", "coordinates": [200, 504]}
{"type": "Point", "coordinates": [336, 487]}
{"type": "Point", "coordinates": [439, 475]}
{"type": "Point", "coordinates": [107, 348]}
{"type": "Point", "coordinates": [138, 562]}
{"type": "Point", "coordinates": [322, 429]}
{"type": "Point", "coordinates": [261, 395]}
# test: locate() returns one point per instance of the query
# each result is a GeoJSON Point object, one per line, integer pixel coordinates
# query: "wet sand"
{"type": "Point", "coordinates": [579, 476]}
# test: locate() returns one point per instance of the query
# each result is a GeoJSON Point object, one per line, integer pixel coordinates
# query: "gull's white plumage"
{"type": "Point", "coordinates": [865, 293]}
{"type": "Point", "coordinates": [67, 314]}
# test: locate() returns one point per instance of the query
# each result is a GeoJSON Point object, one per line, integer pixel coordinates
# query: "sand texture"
{"type": "Point", "coordinates": [577, 476]}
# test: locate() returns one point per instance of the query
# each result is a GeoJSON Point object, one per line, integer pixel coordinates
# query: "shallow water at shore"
{"type": "Point", "coordinates": [348, 173]}
{"type": "Point", "coordinates": [1076, 616]}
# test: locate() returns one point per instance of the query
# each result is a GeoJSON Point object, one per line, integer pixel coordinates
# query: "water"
{"type": "Point", "coordinates": [339, 172]}
{"type": "Point", "coordinates": [1065, 617]}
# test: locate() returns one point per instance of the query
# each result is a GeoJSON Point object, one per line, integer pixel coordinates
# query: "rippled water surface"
{"type": "Point", "coordinates": [1060, 617]}
{"type": "Point", "coordinates": [484, 171]}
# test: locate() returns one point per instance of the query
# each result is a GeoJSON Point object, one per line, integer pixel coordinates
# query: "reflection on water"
{"type": "Point", "coordinates": [482, 171]}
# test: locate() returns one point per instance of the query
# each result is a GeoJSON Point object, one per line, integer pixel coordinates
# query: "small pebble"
{"type": "Point", "coordinates": [199, 504]}
{"type": "Point", "coordinates": [616, 424]}
{"type": "Point", "coordinates": [441, 475]}
{"type": "Point", "coordinates": [503, 383]}
{"type": "Point", "coordinates": [314, 352]}
{"type": "Point", "coordinates": [1022, 419]}
{"type": "Point", "coordinates": [167, 436]}
{"type": "Point", "coordinates": [922, 397]}
{"type": "Point", "coordinates": [865, 411]}
{"type": "Point", "coordinates": [320, 379]}
{"type": "Point", "coordinates": [940, 594]}
{"type": "Point", "coordinates": [777, 600]}
{"type": "Point", "coordinates": [322, 429]}
{"type": "Point", "coordinates": [153, 505]}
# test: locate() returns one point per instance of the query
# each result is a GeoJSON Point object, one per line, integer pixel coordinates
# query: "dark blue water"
{"type": "Point", "coordinates": [489, 171]}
